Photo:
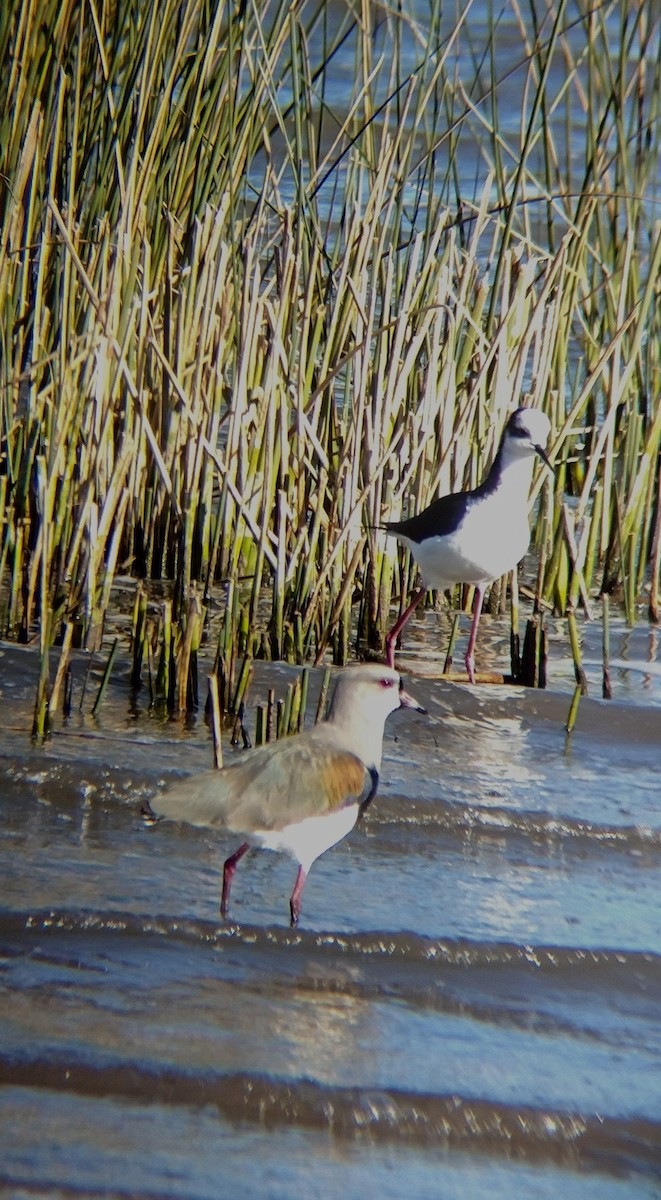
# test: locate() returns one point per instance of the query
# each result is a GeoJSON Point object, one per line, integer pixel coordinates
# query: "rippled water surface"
{"type": "Point", "coordinates": [470, 1008]}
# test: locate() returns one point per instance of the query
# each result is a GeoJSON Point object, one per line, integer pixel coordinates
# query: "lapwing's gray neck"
{"type": "Point", "coordinates": [360, 733]}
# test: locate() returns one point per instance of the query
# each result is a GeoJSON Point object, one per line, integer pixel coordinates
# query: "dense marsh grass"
{"type": "Point", "coordinates": [271, 272]}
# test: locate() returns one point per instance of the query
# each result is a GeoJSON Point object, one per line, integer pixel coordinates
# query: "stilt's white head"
{"type": "Point", "coordinates": [526, 434]}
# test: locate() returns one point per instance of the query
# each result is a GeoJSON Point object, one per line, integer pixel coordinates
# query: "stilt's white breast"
{"type": "Point", "coordinates": [490, 541]}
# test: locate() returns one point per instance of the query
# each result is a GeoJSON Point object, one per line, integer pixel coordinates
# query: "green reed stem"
{"type": "Point", "coordinates": [323, 696]}
{"type": "Point", "coordinates": [216, 720]}
{"type": "Point", "coordinates": [105, 679]}
{"type": "Point", "coordinates": [606, 689]}
{"type": "Point", "coordinates": [573, 708]}
{"type": "Point", "coordinates": [515, 643]}
{"type": "Point", "coordinates": [575, 643]}
{"type": "Point", "coordinates": [447, 664]}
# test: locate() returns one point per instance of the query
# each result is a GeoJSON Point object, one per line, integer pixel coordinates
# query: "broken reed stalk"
{"type": "Point", "coordinates": [293, 712]}
{"type": "Point", "coordinates": [138, 635]}
{"type": "Point", "coordinates": [41, 720]}
{"type": "Point", "coordinates": [303, 699]}
{"type": "Point", "coordinates": [606, 689]}
{"type": "Point", "coordinates": [283, 716]}
{"type": "Point", "coordinates": [242, 685]}
{"type": "Point", "coordinates": [285, 711]}
{"type": "Point", "coordinates": [323, 697]}
{"type": "Point", "coordinates": [533, 657]}
{"type": "Point", "coordinates": [164, 673]}
{"type": "Point", "coordinates": [62, 673]}
{"type": "Point", "coordinates": [216, 720]}
{"type": "Point", "coordinates": [515, 642]}
{"type": "Point", "coordinates": [575, 643]}
{"type": "Point", "coordinates": [186, 658]}
{"type": "Point", "coordinates": [239, 731]}
{"type": "Point", "coordinates": [260, 725]}
{"type": "Point", "coordinates": [655, 586]}
{"type": "Point", "coordinates": [447, 664]}
{"type": "Point", "coordinates": [270, 728]}
{"type": "Point", "coordinates": [573, 708]}
{"type": "Point", "coordinates": [105, 678]}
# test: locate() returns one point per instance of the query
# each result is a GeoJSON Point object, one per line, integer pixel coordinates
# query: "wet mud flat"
{"type": "Point", "coordinates": [471, 1006]}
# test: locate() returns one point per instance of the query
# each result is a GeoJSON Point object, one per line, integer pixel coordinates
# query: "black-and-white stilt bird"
{"type": "Point", "coordinates": [301, 794]}
{"type": "Point", "coordinates": [475, 537]}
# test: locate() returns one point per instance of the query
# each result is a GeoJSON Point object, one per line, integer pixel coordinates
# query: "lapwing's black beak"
{"type": "Point", "coordinates": [406, 700]}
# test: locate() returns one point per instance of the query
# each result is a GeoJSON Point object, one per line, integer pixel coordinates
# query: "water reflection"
{"type": "Point", "coordinates": [474, 959]}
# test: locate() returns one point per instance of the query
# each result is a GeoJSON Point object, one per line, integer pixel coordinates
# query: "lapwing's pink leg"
{"type": "Point", "coordinates": [228, 875]}
{"type": "Point", "coordinates": [295, 902]}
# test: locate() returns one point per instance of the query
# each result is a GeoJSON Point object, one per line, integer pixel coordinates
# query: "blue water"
{"type": "Point", "coordinates": [471, 1002]}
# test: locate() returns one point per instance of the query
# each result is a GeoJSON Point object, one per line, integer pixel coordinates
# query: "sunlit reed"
{"type": "Point", "coordinates": [241, 322]}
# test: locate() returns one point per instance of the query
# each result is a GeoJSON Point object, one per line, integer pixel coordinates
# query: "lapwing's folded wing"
{"type": "Point", "coordinates": [272, 786]}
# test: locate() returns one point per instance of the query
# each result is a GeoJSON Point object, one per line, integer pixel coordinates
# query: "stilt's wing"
{"type": "Point", "coordinates": [272, 786]}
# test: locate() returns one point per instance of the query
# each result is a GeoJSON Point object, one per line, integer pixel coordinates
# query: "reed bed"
{"type": "Point", "coordinates": [269, 273]}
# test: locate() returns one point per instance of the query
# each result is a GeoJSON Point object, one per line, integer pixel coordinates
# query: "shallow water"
{"type": "Point", "coordinates": [471, 1007]}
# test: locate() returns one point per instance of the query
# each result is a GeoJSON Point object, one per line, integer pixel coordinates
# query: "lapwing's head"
{"type": "Point", "coordinates": [526, 434]}
{"type": "Point", "coordinates": [370, 691]}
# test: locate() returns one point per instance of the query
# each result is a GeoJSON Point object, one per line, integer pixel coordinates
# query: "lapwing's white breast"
{"type": "Point", "coordinates": [307, 839]}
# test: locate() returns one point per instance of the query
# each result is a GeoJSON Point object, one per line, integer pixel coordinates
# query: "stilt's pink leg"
{"type": "Point", "coordinates": [391, 638]}
{"type": "Point", "coordinates": [228, 875]}
{"type": "Point", "coordinates": [470, 652]}
{"type": "Point", "coordinates": [295, 902]}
